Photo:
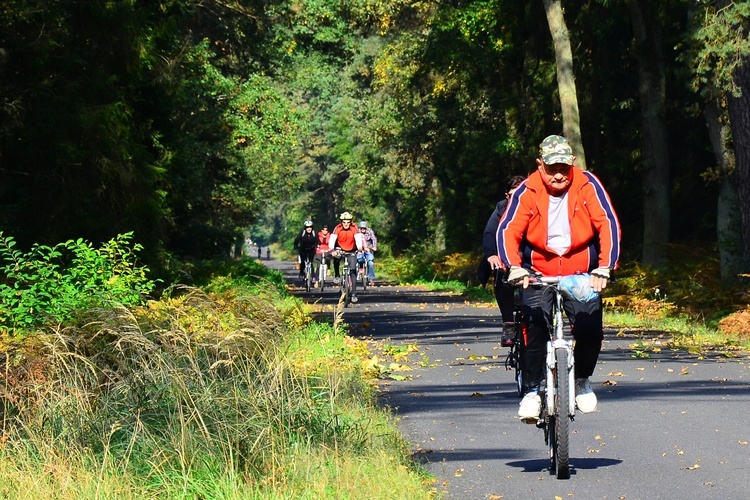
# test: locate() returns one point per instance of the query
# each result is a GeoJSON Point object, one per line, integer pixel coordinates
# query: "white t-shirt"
{"type": "Point", "coordinates": [558, 229]}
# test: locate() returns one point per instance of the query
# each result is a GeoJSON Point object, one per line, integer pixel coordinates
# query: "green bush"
{"type": "Point", "coordinates": [52, 284]}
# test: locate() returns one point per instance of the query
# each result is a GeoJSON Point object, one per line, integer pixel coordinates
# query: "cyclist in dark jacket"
{"type": "Point", "coordinates": [504, 293]}
{"type": "Point", "coordinates": [306, 242]}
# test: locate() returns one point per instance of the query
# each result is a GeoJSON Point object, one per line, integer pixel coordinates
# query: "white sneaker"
{"type": "Point", "coordinates": [530, 407]}
{"type": "Point", "coordinates": [585, 397]}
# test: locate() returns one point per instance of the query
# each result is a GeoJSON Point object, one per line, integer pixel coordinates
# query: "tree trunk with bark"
{"type": "Point", "coordinates": [655, 152]}
{"type": "Point", "coordinates": [566, 79]}
{"type": "Point", "coordinates": [739, 119]}
{"type": "Point", "coordinates": [728, 226]}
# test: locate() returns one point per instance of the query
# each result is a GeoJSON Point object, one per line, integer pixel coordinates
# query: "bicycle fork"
{"type": "Point", "coordinates": [564, 371]}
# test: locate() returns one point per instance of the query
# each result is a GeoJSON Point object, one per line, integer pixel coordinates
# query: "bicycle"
{"type": "Point", "coordinates": [514, 360]}
{"type": "Point", "coordinates": [322, 271]}
{"type": "Point", "coordinates": [363, 269]}
{"type": "Point", "coordinates": [308, 274]}
{"type": "Point", "coordinates": [347, 282]}
{"type": "Point", "coordinates": [557, 390]}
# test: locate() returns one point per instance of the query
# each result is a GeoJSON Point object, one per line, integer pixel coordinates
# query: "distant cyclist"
{"type": "Point", "coordinates": [323, 251]}
{"type": "Point", "coordinates": [306, 242]}
{"type": "Point", "coordinates": [346, 237]}
{"type": "Point", "coordinates": [559, 222]}
{"type": "Point", "coordinates": [371, 246]}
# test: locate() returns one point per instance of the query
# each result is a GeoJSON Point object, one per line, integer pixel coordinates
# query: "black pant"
{"type": "Point", "coordinates": [505, 295]}
{"type": "Point", "coordinates": [586, 328]}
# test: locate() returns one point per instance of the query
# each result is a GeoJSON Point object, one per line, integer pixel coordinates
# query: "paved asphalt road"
{"type": "Point", "coordinates": [672, 426]}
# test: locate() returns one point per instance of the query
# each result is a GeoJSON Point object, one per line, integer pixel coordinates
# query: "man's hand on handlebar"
{"type": "Point", "coordinates": [519, 276]}
{"type": "Point", "coordinates": [599, 279]}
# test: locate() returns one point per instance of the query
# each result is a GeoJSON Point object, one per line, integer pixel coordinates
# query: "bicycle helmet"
{"type": "Point", "coordinates": [346, 216]}
{"type": "Point", "coordinates": [363, 224]}
{"type": "Point", "coordinates": [308, 223]}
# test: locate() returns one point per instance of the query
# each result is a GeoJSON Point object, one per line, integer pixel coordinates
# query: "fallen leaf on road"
{"type": "Point", "coordinates": [476, 395]}
{"type": "Point", "coordinates": [742, 442]}
{"type": "Point", "coordinates": [609, 382]}
{"type": "Point", "coordinates": [458, 472]}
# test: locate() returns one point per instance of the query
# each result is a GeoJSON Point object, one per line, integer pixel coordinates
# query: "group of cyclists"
{"type": "Point", "coordinates": [558, 221]}
{"type": "Point", "coordinates": [357, 244]}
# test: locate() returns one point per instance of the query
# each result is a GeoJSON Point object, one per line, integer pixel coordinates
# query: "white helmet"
{"type": "Point", "coordinates": [346, 216]}
{"type": "Point", "coordinates": [308, 223]}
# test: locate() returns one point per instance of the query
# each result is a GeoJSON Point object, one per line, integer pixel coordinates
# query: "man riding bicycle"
{"type": "Point", "coordinates": [346, 237]}
{"type": "Point", "coordinates": [368, 255]}
{"type": "Point", "coordinates": [306, 242]}
{"type": "Point", "coordinates": [559, 222]}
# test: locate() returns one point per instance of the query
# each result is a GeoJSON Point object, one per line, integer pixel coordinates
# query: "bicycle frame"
{"type": "Point", "coordinates": [558, 341]}
{"type": "Point", "coordinates": [322, 271]}
{"type": "Point", "coordinates": [308, 274]}
{"type": "Point", "coordinates": [558, 379]}
{"type": "Point", "coordinates": [363, 270]}
{"type": "Point", "coordinates": [347, 285]}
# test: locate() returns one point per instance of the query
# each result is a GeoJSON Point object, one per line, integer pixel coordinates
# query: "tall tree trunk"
{"type": "Point", "coordinates": [739, 118]}
{"type": "Point", "coordinates": [655, 152]}
{"type": "Point", "coordinates": [566, 83]}
{"type": "Point", "coordinates": [728, 226]}
{"type": "Point", "coordinates": [437, 216]}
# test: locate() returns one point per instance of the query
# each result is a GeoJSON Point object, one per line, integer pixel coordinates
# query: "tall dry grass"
{"type": "Point", "coordinates": [193, 396]}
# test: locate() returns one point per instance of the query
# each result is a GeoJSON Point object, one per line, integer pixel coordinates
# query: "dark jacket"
{"type": "Point", "coordinates": [489, 242]}
{"type": "Point", "coordinates": [306, 241]}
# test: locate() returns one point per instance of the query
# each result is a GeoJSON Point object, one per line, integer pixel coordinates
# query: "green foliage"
{"type": "Point", "coordinates": [721, 44]}
{"type": "Point", "coordinates": [51, 285]}
{"type": "Point", "coordinates": [221, 276]}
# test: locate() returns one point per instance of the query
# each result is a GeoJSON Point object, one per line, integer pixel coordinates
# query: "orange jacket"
{"type": "Point", "coordinates": [594, 228]}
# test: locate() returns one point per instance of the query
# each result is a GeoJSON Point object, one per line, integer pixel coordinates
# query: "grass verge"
{"type": "Point", "coordinates": [226, 391]}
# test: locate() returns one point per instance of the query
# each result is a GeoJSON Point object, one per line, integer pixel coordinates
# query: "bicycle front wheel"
{"type": "Point", "coordinates": [561, 451]}
{"type": "Point", "coordinates": [322, 269]}
{"type": "Point", "coordinates": [308, 277]}
{"type": "Point", "coordinates": [346, 288]}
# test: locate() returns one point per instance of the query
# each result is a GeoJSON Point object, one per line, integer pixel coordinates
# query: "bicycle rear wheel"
{"type": "Point", "coordinates": [561, 431]}
{"type": "Point", "coordinates": [364, 276]}
{"type": "Point", "coordinates": [518, 353]}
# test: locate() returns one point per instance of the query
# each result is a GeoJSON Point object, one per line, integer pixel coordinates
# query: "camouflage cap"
{"type": "Point", "coordinates": [556, 149]}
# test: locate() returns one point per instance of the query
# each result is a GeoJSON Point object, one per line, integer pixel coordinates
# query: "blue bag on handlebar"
{"type": "Point", "coordinates": [577, 287]}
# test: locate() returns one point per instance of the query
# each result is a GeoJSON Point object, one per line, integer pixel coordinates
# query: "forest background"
{"type": "Point", "coordinates": [141, 143]}
{"type": "Point", "coordinates": [197, 123]}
